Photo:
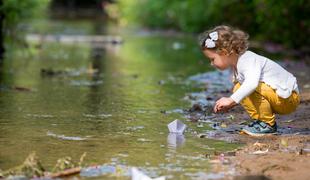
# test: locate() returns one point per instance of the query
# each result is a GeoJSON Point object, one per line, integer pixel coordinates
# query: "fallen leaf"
{"type": "Point", "coordinates": [284, 142]}
{"type": "Point", "coordinates": [260, 152]}
{"type": "Point", "coordinates": [223, 125]}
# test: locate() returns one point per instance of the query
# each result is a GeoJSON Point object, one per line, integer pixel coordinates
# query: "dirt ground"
{"type": "Point", "coordinates": [281, 157]}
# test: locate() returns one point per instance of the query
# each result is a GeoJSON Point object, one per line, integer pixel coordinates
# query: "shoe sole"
{"type": "Point", "coordinates": [257, 134]}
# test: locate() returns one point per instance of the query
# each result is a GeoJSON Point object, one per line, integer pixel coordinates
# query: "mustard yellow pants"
{"type": "Point", "coordinates": [264, 103]}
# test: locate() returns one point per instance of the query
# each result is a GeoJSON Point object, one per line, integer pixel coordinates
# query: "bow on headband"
{"type": "Point", "coordinates": [210, 42]}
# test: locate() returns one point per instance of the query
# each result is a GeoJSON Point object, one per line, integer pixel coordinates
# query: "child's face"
{"type": "Point", "coordinates": [219, 61]}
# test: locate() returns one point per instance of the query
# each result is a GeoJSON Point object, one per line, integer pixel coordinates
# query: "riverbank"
{"type": "Point", "coordinates": [286, 156]}
{"type": "Point", "coordinates": [282, 156]}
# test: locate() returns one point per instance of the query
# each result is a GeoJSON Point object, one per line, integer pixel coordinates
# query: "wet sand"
{"type": "Point", "coordinates": [285, 156]}
{"type": "Point", "coordinates": [282, 156]}
{"type": "Point", "coordinates": [288, 155]}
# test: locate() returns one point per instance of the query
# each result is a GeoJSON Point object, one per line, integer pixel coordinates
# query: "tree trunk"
{"type": "Point", "coordinates": [1, 33]}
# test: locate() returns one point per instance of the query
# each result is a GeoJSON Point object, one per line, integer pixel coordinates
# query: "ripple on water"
{"type": "Point", "coordinates": [63, 137]}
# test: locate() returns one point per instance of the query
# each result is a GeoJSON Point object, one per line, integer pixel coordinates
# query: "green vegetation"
{"type": "Point", "coordinates": [284, 22]}
{"type": "Point", "coordinates": [13, 13]}
{"type": "Point", "coordinates": [16, 11]}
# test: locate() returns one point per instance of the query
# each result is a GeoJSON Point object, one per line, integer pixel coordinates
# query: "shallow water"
{"type": "Point", "coordinates": [106, 101]}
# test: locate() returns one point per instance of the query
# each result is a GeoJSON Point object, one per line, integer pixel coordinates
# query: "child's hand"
{"type": "Point", "coordinates": [224, 104]}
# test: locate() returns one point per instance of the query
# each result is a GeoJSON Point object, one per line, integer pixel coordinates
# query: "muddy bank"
{"type": "Point", "coordinates": [278, 157]}
{"type": "Point", "coordinates": [282, 156]}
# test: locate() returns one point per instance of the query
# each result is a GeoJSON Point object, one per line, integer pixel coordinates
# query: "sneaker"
{"type": "Point", "coordinates": [259, 128]}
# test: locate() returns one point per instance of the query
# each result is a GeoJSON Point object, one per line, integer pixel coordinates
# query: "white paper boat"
{"type": "Point", "coordinates": [138, 175]}
{"type": "Point", "coordinates": [176, 126]}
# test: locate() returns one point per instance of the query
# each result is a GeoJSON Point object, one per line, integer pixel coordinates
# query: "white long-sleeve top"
{"type": "Point", "coordinates": [253, 68]}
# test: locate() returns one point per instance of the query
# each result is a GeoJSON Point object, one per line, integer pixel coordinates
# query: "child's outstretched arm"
{"type": "Point", "coordinates": [251, 71]}
{"type": "Point", "coordinates": [224, 104]}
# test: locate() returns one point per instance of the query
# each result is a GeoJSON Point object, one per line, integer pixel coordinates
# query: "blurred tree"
{"type": "Point", "coordinates": [283, 21]}
{"type": "Point", "coordinates": [12, 13]}
{"type": "Point", "coordinates": [78, 8]}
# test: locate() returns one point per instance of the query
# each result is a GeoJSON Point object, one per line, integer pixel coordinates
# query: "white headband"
{"type": "Point", "coordinates": [210, 42]}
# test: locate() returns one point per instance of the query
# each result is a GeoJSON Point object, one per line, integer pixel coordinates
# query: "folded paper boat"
{"type": "Point", "coordinates": [176, 126]}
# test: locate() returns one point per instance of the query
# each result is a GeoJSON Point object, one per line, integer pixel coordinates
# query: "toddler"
{"type": "Point", "coordinates": [261, 86]}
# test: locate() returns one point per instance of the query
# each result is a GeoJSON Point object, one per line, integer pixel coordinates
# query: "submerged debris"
{"type": "Point", "coordinates": [51, 73]}
{"type": "Point", "coordinates": [16, 88]}
{"type": "Point", "coordinates": [23, 89]}
{"type": "Point", "coordinates": [66, 167]}
{"type": "Point", "coordinates": [68, 72]}
{"type": "Point", "coordinates": [32, 168]}
{"type": "Point", "coordinates": [63, 164]}
{"type": "Point", "coordinates": [67, 172]}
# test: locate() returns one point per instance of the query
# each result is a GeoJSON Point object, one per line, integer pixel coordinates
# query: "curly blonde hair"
{"type": "Point", "coordinates": [229, 39]}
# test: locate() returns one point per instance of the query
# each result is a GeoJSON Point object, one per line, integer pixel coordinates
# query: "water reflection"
{"type": "Point", "coordinates": [175, 140]}
{"type": "Point", "coordinates": [119, 117]}
{"type": "Point", "coordinates": [95, 71]}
